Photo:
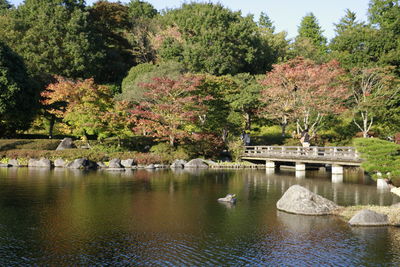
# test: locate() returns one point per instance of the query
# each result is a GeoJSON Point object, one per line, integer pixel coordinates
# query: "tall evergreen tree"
{"type": "Point", "coordinates": [309, 28]}
{"type": "Point", "coordinates": [349, 21]}
{"type": "Point", "coordinates": [265, 22]}
{"type": "Point", "coordinates": [310, 43]}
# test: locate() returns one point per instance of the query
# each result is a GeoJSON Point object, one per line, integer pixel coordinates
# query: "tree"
{"type": "Point", "coordinates": [385, 14]}
{"type": "Point", "coordinates": [373, 89]}
{"type": "Point", "coordinates": [265, 22]}
{"type": "Point", "coordinates": [132, 89]}
{"type": "Point", "coordinates": [170, 110]}
{"type": "Point", "coordinates": [309, 28]}
{"type": "Point", "coordinates": [246, 98]}
{"type": "Point", "coordinates": [349, 21]}
{"type": "Point", "coordinates": [18, 93]}
{"type": "Point", "coordinates": [82, 105]}
{"type": "Point", "coordinates": [53, 37]}
{"type": "Point", "coordinates": [4, 5]}
{"type": "Point", "coordinates": [110, 23]}
{"type": "Point", "coordinates": [304, 92]}
{"type": "Point", "coordinates": [212, 39]}
{"type": "Point", "coordinates": [310, 42]}
{"type": "Point", "coordinates": [140, 9]}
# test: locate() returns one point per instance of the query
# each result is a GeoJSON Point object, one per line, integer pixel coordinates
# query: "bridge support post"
{"type": "Point", "coordinates": [337, 178]}
{"type": "Point", "coordinates": [300, 166]}
{"type": "Point", "coordinates": [300, 174]}
{"type": "Point", "coordinates": [270, 164]}
{"type": "Point", "coordinates": [337, 169]}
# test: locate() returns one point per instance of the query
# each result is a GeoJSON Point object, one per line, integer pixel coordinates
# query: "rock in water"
{"type": "Point", "coordinates": [196, 163]}
{"type": "Point", "coordinates": [115, 163]}
{"type": "Point", "coordinates": [66, 143]}
{"type": "Point", "coordinates": [231, 198]}
{"type": "Point", "coordinates": [368, 218]}
{"type": "Point", "coordinates": [300, 200]}
{"type": "Point", "coordinates": [82, 163]}
{"type": "Point", "coordinates": [178, 163]}
{"type": "Point", "coordinates": [59, 163]}
{"type": "Point", "coordinates": [127, 163]}
{"type": "Point", "coordinates": [43, 162]}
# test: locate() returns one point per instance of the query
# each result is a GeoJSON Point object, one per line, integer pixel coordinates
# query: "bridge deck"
{"type": "Point", "coordinates": [323, 155]}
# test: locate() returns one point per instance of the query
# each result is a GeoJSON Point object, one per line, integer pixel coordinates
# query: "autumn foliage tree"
{"type": "Point", "coordinates": [80, 104]}
{"type": "Point", "coordinates": [170, 109]}
{"type": "Point", "coordinates": [303, 92]}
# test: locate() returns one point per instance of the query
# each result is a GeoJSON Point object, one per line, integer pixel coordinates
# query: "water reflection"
{"type": "Point", "coordinates": [137, 217]}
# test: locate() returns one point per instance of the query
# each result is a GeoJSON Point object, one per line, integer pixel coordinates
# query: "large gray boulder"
{"type": "Point", "coordinates": [59, 163]}
{"type": "Point", "coordinates": [66, 143]}
{"type": "Point", "coordinates": [115, 164]}
{"type": "Point", "coordinates": [178, 163]}
{"type": "Point", "coordinates": [196, 163]}
{"type": "Point", "coordinates": [82, 163]}
{"type": "Point", "coordinates": [367, 217]}
{"type": "Point", "coordinates": [300, 200]}
{"type": "Point", "coordinates": [43, 162]}
{"type": "Point", "coordinates": [127, 163]}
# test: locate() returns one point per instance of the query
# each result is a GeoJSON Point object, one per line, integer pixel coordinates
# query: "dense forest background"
{"type": "Point", "coordinates": [199, 74]}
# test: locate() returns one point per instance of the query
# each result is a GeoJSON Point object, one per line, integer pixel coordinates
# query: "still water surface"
{"type": "Point", "coordinates": [64, 217]}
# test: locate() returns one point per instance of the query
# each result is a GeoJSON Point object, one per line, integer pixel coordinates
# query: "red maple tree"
{"type": "Point", "coordinates": [303, 92]}
{"type": "Point", "coordinates": [170, 108]}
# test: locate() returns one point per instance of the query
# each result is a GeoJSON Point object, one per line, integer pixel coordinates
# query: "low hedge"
{"type": "Point", "coordinates": [380, 156]}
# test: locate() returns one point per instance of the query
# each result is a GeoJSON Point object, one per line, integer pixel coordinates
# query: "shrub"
{"type": "Point", "coordinates": [380, 156]}
{"type": "Point", "coordinates": [236, 148]}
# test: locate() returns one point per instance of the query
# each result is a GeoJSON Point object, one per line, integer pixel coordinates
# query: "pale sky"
{"type": "Point", "coordinates": [286, 14]}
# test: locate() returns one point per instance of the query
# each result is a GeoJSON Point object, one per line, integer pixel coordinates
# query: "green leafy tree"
{"type": "Point", "coordinates": [349, 21]}
{"type": "Point", "coordinates": [246, 98]}
{"type": "Point", "coordinates": [265, 22]}
{"type": "Point", "coordinates": [132, 89]}
{"type": "Point", "coordinates": [209, 38]}
{"type": "Point", "coordinates": [53, 37]}
{"type": "Point", "coordinates": [141, 9]}
{"type": "Point", "coordinates": [310, 42]}
{"type": "Point", "coordinates": [18, 93]}
{"type": "Point", "coordinates": [110, 23]}
{"type": "Point", "coordinates": [4, 5]}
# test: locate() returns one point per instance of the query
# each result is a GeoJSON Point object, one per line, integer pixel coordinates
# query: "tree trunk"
{"type": "Point", "coordinates": [283, 125]}
{"type": "Point", "coordinates": [248, 121]}
{"type": "Point", "coordinates": [51, 126]}
{"type": "Point", "coordinates": [172, 141]}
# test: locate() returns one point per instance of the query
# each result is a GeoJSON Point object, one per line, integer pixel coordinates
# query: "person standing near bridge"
{"type": "Point", "coordinates": [305, 139]}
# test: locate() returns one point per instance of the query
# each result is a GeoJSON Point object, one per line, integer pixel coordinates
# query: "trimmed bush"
{"type": "Point", "coordinates": [380, 156]}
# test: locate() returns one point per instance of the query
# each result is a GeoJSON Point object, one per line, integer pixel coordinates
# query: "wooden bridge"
{"type": "Point", "coordinates": [337, 157]}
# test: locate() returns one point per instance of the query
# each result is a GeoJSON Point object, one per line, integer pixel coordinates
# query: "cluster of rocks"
{"type": "Point", "coordinates": [113, 164]}
{"type": "Point", "coordinates": [300, 200]}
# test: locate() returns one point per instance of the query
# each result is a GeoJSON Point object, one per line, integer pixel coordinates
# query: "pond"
{"type": "Point", "coordinates": [65, 217]}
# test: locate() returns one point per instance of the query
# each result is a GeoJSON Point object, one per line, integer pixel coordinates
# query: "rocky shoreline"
{"type": "Point", "coordinates": [113, 165]}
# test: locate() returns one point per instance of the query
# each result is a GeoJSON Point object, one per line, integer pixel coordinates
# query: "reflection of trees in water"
{"type": "Point", "coordinates": [79, 209]}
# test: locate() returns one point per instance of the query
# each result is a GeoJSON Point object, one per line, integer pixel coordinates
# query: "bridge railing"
{"type": "Point", "coordinates": [298, 151]}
